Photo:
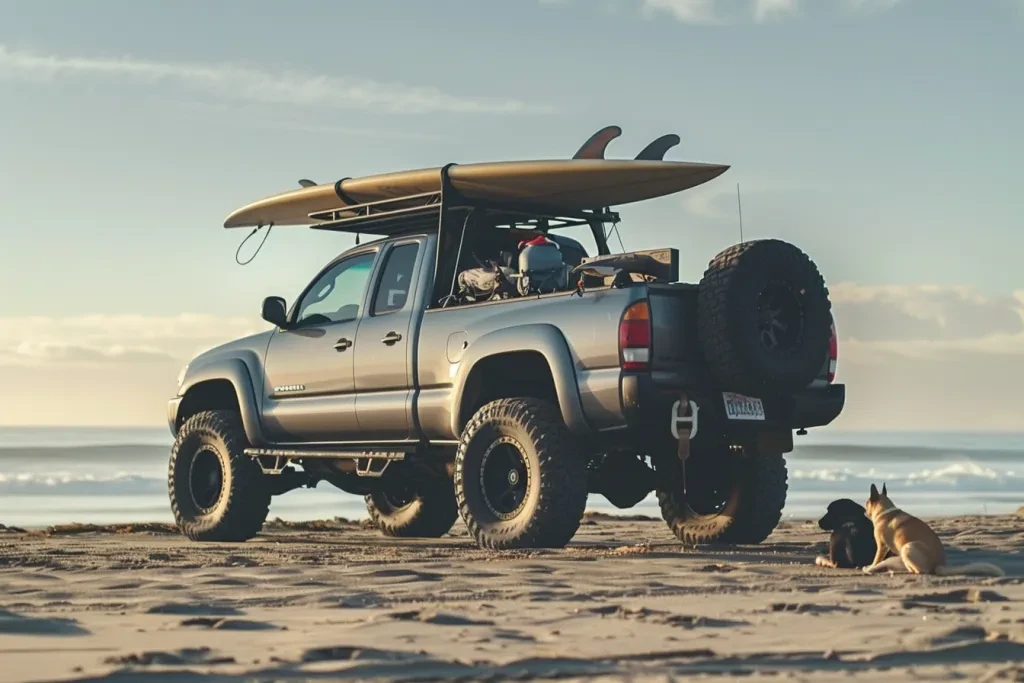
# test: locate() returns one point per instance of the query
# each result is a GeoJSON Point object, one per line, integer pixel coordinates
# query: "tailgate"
{"type": "Point", "coordinates": [675, 349]}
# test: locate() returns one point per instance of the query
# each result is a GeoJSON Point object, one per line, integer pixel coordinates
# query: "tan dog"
{"type": "Point", "coordinates": [916, 548]}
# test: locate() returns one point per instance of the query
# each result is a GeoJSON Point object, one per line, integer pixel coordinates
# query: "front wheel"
{"type": "Point", "coordinates": [520, 481]}
{"type": "Point", "coordinates": [217, 492]}
{"type": "Point", "coordinates": [722, 496]}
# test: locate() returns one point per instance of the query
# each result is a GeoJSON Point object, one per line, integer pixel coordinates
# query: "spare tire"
{"type": "Point", "coordinates": [764, 318]}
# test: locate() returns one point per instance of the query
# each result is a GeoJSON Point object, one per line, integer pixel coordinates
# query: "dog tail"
{"type": "Point", "coordinates": [970, 569]}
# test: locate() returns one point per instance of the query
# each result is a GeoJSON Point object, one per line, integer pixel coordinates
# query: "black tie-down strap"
{"type": "Point", "coordinates": [684, 424]}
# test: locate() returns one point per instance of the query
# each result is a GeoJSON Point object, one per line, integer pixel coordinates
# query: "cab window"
{"type": "Point", "coordinates": [337, 295]}
{"type": "Point", "coordinates": [396, 279]}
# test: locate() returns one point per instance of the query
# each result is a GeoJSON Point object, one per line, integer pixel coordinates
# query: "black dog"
{"type": "Point", "coordinates": [852, 543]}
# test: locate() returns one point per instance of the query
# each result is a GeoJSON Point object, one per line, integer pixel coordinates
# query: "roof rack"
{"type": "Point", "coordinates": [385, 216]}
{"type": "Point", "coordinates": [414, 213]}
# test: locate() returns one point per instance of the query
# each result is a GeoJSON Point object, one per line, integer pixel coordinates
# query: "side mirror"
{"type": "Point", "coordinates": [275, 311]}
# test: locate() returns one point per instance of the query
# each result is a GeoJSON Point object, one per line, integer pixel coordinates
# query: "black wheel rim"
{"type": "Point", "coordinates": [708, 484]}
{"type": "Point", "coordinates": [780, 319]}
{"type": "Point", "coordinates": [398, 496]}
{"type": "Point", "coordinates": [206, 479]}
{"type": "Point", "coordinates": [504, 478]}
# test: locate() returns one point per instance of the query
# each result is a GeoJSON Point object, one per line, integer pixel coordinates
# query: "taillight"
{"type": "Point", "coordinates": [635, 337]}
{"type": "Point", "coordinates": [833, 354]}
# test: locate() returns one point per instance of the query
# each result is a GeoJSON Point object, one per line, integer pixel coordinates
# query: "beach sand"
{"type": "Point", "coordinates": [334, 600]}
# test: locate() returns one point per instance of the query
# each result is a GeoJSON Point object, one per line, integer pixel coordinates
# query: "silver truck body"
{"type": "Point", "coordinates": [296, 387]}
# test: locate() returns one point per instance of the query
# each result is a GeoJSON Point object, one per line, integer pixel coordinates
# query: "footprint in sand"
{"type": "Point", "coordinates": [403, 574]}
{"type": "Point", "coordinates": [193, 608]}
{"type": "Point", "coordinates": [959, 595]}
{"type": "Point", "coordinates": [807, 608]}
{"type": "Point", "coordinates": [193, 656]}
{"type": "Point", "coordinates": [437, 618]}
{"type": "Point", "coordinates": [344, 653]}
{"type": "Point", "coordinates": [125, 586]}
{"type": "Point", "coordinates": [19, 624]}
{"type": "Point", "coordinates": [224, 581]}
{"type": "Point", "coordinates": [225, 624]}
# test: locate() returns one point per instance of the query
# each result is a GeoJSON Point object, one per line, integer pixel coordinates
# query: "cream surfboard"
{"type": "Point", "coordinates": [567, 184]}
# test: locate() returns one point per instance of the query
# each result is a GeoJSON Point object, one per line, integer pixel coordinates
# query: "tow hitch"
{"type": "Point", "coordinates": [684, 424]}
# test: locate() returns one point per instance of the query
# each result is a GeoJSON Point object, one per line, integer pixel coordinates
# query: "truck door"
{"type": "Point", "coordinates": [384, 347]}
{"type": "Point", "coordinates": [310, 384]}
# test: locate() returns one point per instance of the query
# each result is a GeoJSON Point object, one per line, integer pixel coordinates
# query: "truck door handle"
{"type": "Point", "coordinates": [391, 338]}
{"type": "Point", "coordinates": [342, 344]}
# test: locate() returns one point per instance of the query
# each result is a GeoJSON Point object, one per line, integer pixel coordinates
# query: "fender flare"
{"type": "Point", "coordinates": [543, 338]}
{"type": "Point", "coordinates": [235, 371]}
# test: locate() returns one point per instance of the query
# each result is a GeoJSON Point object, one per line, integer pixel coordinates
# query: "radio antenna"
{"type": "Point", "coordinates": [739, 205]}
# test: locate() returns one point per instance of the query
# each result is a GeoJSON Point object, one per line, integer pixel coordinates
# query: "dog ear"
{"type": "Point", "coordinates": [874, 493]}
{"type": "Point", "coordinates": [883, 489]}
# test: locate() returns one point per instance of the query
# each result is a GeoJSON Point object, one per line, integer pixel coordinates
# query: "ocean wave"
{"type": "Point", "coordinates": [110, 454]}
{"type": "Point", "coordinates": [860, 452]}
{"type": "Point", "coordinates": [957, 475]}
{"type": "Point", "coordinates": [72, 484]}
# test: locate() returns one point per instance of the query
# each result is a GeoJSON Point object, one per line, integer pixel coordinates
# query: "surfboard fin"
{"type": "Point", "coordinates": [595, 146]}
{"type": "Point", "coordinates": [656, 150]}
{"type": "Point", "coordinates": [306, 182]}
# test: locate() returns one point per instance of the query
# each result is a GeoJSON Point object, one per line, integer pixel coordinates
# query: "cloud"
{"type": "Point", "coordinates": [765, 10]}
{"type": "Point", "coordinates": [686, 11]}
{"type": "Point", "coordinates": [203, 111]}
{"type": "Point", "coordinates": [942, 316]}
{"type": "Point", "coordinates": [929, 357]}
{"type": "Point", "coordinates": [34, 353]}
{"type": "Point", "coordinates": [239, 82]}
{"type": "Point", "coordinates": [897, 327]}
{"type": "Point", "coordinates": [115, 339]}
{"type": "Point", "coordinates": [871, 5]}
{"type": "Point", "coordinates": [760, 11]}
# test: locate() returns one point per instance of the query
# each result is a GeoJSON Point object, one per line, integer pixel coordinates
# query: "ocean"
{"type": "Point", "coordinates": [102, 476]}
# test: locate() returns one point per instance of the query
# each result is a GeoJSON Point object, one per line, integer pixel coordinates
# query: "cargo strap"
{"type": "Point", "coordinates": [684, 425]}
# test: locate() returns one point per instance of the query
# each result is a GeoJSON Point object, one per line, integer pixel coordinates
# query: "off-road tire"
{"type": "Point", "coordinates": [556, 475]}
{"type": "Point", "coordinates": [754, 508]}
{"type": "Point", "coordinates": [728, 315]}
{"type": "Point", "coordinates": [430, 514]}
{"type": "Point", "coordinates": [243, 501]}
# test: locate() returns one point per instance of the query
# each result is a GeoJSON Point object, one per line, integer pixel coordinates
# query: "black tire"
{"type": "Point", "coordinates": [427, 512]}
{"type": "Point", "coordinates": [764, 318]}
{"type": "Point", "coordinates": [217, 492]}
{"type": "Point", "coordinates": [754, 495]}
{"type": "Point", "coordinates": [543, 504]}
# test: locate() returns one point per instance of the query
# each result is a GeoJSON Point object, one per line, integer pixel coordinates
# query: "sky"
{"type": "Point", "coordinates": [881, 136]}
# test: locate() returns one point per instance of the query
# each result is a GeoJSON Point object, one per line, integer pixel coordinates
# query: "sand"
{"type": "Point", "coordinates": [335, 601]}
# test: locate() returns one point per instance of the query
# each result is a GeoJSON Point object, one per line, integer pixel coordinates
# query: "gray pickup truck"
{"type": "Point", "coordinates": [477, 361]}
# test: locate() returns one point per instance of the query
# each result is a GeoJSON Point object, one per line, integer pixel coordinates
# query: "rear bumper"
{"type": "Point", "coordinates": [646, 404]}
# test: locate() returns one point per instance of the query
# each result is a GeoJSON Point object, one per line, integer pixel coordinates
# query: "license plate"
{"type": "Point", "coordinates": [740, 407]}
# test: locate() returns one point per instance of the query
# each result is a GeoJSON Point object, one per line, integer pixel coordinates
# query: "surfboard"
{"type": "Point", "coordinates": [568, 184]}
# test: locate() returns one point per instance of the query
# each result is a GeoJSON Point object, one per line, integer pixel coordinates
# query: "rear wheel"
{"type": "Point", "coordinates": [414, 510]}
{"type": "Point", "coordinates": [217, 492]}
{"type": "Point", "coordinates": [520, 481]}
{"type": "Point", "coordinates": [722, 496]}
